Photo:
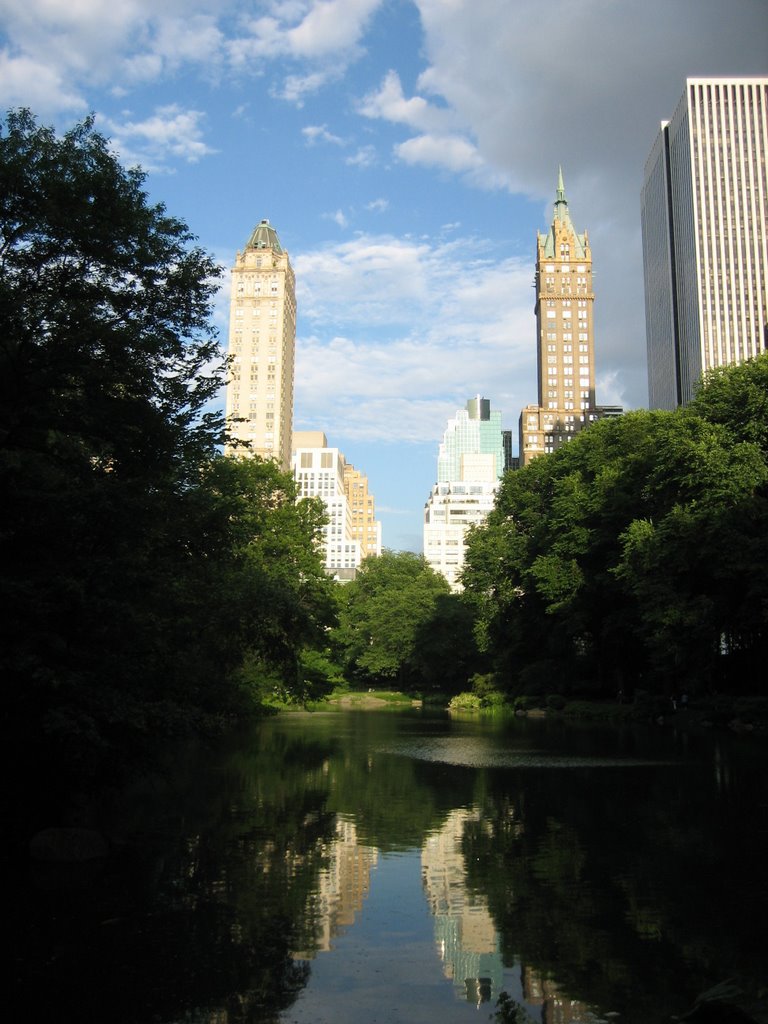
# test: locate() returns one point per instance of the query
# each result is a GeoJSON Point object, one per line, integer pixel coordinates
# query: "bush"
{"type": "Point", "coordinates": [465, 702]}
{"type": "Point", "coordinates": [555, 702]}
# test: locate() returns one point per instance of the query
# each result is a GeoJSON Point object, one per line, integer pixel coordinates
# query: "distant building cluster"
{"type": "Point", "coordinates": [704, 214]}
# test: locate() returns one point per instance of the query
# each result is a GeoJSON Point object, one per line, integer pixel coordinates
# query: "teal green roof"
{"type": "Point", "coordinates": [562, 215]}
{"type": "Point", "coordinates": [264, 236]}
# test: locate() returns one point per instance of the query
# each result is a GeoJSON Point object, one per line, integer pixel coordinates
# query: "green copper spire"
{"type": "Point", "coordinates": [561, 203]}
{"type": "Point", "coordinates": [562, 217]}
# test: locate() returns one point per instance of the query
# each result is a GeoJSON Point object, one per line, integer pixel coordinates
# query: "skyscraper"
{"type": "Point", "coordinates": [705, 236]}
{"type": "Point", "coordinates": [262, 338]}
{"type": "Point", "coordinates": [564, 337]}
{"type": "Point", "coordinates": [470, 463]}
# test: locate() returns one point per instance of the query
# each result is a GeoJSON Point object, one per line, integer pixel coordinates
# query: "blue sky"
{"type": "Point", "coordinates": [407, 152]}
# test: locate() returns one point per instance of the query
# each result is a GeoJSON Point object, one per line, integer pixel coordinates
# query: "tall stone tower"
{"type": "Point", "coordinates": [262, 341]}
{"type": "Point", "coordinates": [564, 337]}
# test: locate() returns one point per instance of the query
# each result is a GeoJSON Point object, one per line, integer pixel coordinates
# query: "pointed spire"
{"type": "Point", "coordinates": [561, 203]}
{"type": "Point", "coordinates": [560, 187]}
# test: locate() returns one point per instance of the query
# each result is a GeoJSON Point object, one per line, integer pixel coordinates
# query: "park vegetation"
{"type": "Point", "coordinates": [150, 585]}
{"type": "Point", "coordinates": [154, 587]}
{"type": "Point", "coordinates": [634, 557]}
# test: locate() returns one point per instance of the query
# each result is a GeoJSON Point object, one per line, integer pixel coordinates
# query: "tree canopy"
{"type": "Point", "coordinates": [635, 554]}
{"type": "Point", "coordinates": [140, 568]}
{"type": "Point", "coordinates": [399, 623]}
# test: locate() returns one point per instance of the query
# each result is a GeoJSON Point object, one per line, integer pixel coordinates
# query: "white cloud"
{"type": "Point", "coordinates": [389, 103]}
{"type": "Point", "coordinates": [296, 88]}
{"type": "Point", "coordinates": [378, 205]}
{"type": "Point", "coordinates": [416, 329]}
{"type": "Point", "coordinates": [331, 27]}
{"type": "Point", "coordinates": [364, 157]}
{"type": "Point", "coordinates": [449, 151]}
{"type": "Point", "coordinates": [442, 142]}
{"type": "Point", "coordinates": [314, 133]}
{"type": "Point", "coordinates": [169, 132]}
{"type": "Point", "coordinates": [323, 36]}
{"type": "Point", "coordinates": [339, 217]}
{"type": "Point", "coordinates": [25, 82]}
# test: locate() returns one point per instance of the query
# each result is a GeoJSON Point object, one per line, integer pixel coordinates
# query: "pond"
{"type": "Point", "coordinates": [410, 867]}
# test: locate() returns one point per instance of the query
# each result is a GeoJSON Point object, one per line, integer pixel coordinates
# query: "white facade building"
{"type": "Point", "coordinates": [322, 472]}
{"type": "Point", "coordinates": [705, 236]}
{"type": "Point", "coordinates": [470, 465]}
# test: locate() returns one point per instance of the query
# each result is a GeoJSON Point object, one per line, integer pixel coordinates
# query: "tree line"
{"type": "Point", "coordinates": [151, 585]}
{"type": "Point", "coordinates": [635, 556]}
{"type": "Point", "coordinates": [154, 586]}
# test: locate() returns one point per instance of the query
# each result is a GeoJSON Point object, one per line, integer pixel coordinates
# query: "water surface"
{"type": "Point", "coordinates": [403, 867]}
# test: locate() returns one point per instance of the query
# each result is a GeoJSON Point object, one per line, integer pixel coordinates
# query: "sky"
{"type": "Point", "coordinates": [407, 153]}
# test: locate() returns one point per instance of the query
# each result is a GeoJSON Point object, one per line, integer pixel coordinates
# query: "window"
{"type": "Point", "coordinates": [326, 460]}
{"type": "Point", "coordinates": [306, 460]}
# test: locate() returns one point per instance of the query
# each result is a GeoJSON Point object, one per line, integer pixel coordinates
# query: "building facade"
{"type": "Point", "coordinates": [704, 206]}
{"type": "Point", "coordinates": [262, 340]}
{"type": "Point", "coordinates": [564, 337]}
{"type": "Point", "coordinates": [366, 528]}
{"type": "Point", "coordinates": [352, 532]}
{"type": "Point", "coordinates": [470, 464]}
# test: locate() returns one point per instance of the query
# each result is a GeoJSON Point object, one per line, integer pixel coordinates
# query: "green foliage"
{"type": "Point", "coordinates": [141, 570]}
{"type": "Point", "coordinates": [632, 555]}
{"type": "Point", "coordinates": [399, 621]}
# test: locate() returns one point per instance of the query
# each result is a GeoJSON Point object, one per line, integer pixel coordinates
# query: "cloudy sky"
{"type": "Point", "coordinates": [407, 152]}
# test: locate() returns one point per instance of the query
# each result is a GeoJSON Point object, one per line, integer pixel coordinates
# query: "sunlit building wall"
{"type": "Point", "coordinates": [564, 337]}
{"type": "Point", "coordinates": [262, 340]}
{"type": "Point", "coordinates": [704, 207]}
{"type": "Point", "coordinates": [470, 464]}
{"type": "Point", "coordinates": [366, 528]}
{"type": "Point", "coordinates": [352, 531]}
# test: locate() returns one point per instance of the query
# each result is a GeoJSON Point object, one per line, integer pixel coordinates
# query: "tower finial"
{"type": "Point", "coordinates": [560, 186]}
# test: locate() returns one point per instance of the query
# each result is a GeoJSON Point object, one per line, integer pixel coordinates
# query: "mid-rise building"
{"type": "Point", "coordinates": [262, 339]}
{"type": "Point", "coordinates": [352, 532]}
{"type": "Point", "coordinates": [564, 337]}
{"type": "Point", "coordinates": [705, 236]}
{"type": "Point", "coordinates": [366, 528]}
{"type": "Point", "coordinates": [470, 463]}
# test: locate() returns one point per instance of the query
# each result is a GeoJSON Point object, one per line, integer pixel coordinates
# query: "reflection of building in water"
{"type": "Point", "coordinates": [556, 1008]}
{"type": "Point", "coordinates": [342, 886]}
{"type": "Point", "coordinates": [464, 930]}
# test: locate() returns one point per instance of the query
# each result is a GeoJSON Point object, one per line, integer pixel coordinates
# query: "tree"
{"type": "Point", "coordinates": [634, 553]}
{"type": "Point", "coordinates": [383, 611]}
{"type": "Point", "coordinates": [139, 568]}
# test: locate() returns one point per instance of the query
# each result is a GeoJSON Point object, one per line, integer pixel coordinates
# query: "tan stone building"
{"type": "Point", "coordinates": [564, 337]}
{"type": "Point", "coordinates": [366, 529]}
{"type": "Point", "coordinates": [262, 340]}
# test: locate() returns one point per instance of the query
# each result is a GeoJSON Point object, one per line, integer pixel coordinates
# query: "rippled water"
{"type": "Point", "coordinates": [399, 867]}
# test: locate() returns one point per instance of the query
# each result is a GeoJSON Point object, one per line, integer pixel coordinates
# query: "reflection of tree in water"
{"type": "Point", "coordinates": [198, 916]}
{"type": "Point", "coordinates": [634, 893]}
